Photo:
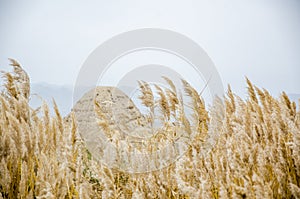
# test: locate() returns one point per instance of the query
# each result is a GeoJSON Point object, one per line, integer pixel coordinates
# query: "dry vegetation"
{"type": "Point", "coordinates": [256, 155]}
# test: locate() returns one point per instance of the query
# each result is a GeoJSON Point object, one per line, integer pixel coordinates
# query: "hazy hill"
{"type": "Point", "coordinates": [47, 92]}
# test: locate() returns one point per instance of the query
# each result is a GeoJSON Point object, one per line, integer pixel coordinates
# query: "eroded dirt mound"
{"type": "Point", "coordinates": [123, 117]}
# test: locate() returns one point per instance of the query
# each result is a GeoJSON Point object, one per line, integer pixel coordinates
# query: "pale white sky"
{"type": "Point", "coordinates": [259, 39]}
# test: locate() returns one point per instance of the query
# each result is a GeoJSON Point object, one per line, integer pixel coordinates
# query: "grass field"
{"type": "Point", "coordinates": [256, 155]}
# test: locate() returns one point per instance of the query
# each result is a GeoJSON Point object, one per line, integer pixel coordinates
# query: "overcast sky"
{"type": "Point", "coordinates": [259, 39]}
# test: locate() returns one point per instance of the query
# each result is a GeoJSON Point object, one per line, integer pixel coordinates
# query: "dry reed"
{"type": "Point", "coordinates": [256, 155]}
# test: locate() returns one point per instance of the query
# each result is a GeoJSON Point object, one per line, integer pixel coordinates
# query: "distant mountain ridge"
{"type": "Point", "coordinates": [44, 91]}
{"type": "Point", "coordinates": [63, 95]}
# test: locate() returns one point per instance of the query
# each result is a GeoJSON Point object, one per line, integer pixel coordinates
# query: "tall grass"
{"type": "Point", "coordinates": [256, 155]}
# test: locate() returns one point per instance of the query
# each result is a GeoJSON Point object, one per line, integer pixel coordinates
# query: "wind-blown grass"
{"type": "Point", "coordinates": [256, 155]}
